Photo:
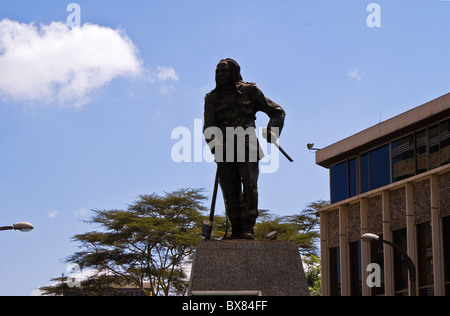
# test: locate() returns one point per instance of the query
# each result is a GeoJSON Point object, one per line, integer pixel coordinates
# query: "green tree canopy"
{"type": "Point", "coordinates": [148, 242]}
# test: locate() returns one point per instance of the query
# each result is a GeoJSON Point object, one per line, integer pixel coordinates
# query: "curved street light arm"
{"type": "Point", "coordinates": [368, 237]}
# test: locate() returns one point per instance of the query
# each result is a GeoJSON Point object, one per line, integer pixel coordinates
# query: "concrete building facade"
{"type": "Point", "coordinates": [392, 180]}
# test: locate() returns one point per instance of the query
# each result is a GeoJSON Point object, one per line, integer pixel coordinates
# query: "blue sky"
{"type": "Point", "coordinates": [89, 125]}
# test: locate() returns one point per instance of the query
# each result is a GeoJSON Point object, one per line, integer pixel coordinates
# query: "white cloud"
{"type": "Point", "coordinates": [162, 76]}
{"type": "Point", "coordinates": [52, 214]}
{"type": "Point", "coordinates": [165, 73]}
{"type": "Point", "coordinates": [166, 89]}
{"type": "Point", "coordinates": [53, 63]}
{"type": "Point", "coordinates": [355, 74]}
{"type": "Point", "coordinates": [81, 212]}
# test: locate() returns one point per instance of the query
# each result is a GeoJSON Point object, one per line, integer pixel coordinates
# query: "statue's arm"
{"type": "Point", "coordinates": [209, 115]}
{"type": "Point", "coordinates": [272, 109]}
{"type": "Point", "coordinates": [213, 135]}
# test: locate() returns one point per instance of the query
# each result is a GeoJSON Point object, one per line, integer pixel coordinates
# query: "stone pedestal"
{"type": "Point", "coordinates": [235, 267]}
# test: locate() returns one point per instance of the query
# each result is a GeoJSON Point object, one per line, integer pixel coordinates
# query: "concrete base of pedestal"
{"type": "Point", "coordinates": [240, 267]}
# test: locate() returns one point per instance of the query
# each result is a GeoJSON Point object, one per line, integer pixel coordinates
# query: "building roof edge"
{"type": "Point", "coordinates": [380, 132]}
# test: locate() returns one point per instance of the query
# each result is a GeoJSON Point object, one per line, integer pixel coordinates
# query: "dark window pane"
{"type": "Point", "coordinates": [446, 225]}
{"type": "Point", "coordinates": [379, 174]}
{"type": "Point", "coordinates": [425, 259]}
{"type": "Point", "coordinates": [335, 272]}
{"type": "Point", "coordinates": [364, 173]}
{"type": "Point", "coordinates": [403, 164]}
{"type": "Point", "coordinates": [339, 182]}
{"type": "Point", "coordinates": [421, 152]}
{"type": "Point", "coordinates": [355, 268]}
{"type": "Point", "coordinates": [433, 141]}
{"type": "Point", "coordinates": [352, 178]}
{"type": "Point", "coordinates": [400, 267]}
{"type": "Point", "coordinates": [444, 135]}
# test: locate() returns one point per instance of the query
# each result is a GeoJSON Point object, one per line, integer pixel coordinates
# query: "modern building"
{"type": "Point", "coordinates": [392, 180]}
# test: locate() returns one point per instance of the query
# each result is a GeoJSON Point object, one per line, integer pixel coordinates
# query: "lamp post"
{"type": "Point", "coordinates": [368, 237]}
{"type": "Point", "coordinates": [22, 226]}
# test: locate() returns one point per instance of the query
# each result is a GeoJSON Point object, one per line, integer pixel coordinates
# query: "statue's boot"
{"type": "Point", "coordinates": [236, 230]}
{"type": "Point", "coordinates": [247, 230]}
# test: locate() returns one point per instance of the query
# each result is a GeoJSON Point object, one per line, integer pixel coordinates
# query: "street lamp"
{"type": "Point", "coordinates": [22, 226]}
{"type": "Point", "coordinates": [368, 237]}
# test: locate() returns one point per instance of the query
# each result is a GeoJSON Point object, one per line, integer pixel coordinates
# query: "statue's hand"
{"type": "Point", "coordinates": [270, 136]}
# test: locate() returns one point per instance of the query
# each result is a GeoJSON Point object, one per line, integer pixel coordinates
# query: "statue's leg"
{"type": "Point", "coordinates": [249, 172]}
{"type": "Point", "coordinates": [230, 184]}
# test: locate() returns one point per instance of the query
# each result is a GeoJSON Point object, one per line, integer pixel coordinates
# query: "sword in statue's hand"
{"type": "Point", "coordinates": [273, 139]}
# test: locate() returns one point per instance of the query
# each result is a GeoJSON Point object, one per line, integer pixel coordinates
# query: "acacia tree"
{"type": "Point", "coordinates": [149, 242]}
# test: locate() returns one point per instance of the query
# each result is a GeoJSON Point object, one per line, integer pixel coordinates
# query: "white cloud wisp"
{"type": "Point", "coordinates": [355, 74]}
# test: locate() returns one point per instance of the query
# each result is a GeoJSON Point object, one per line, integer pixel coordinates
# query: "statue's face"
{"type": "Point", "coordinates": [223, 74]}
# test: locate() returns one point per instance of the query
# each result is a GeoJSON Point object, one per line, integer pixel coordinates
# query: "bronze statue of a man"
{"type": "Point", "coordinates": [230, 112]}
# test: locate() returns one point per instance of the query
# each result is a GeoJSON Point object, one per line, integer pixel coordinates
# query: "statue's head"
{"type": "Point", "coordinates": [228, 72]}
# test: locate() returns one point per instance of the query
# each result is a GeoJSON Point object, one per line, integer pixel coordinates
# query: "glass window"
{"type": "Point", "coordinates": [379, 174]}
{"type": "Point", "coordinates": [403, 163]}
{"type": "Point", "coordinates": [421, 152]}
{"type": "Point", "coordinates": [425, 259]}
{"type": "Point", "coordinates": [352, 178]}
{"type": "Point", "coordinates": [365, 173]}
{"type": "Point", "coordinates": [375, 169]}
{"type": "Point", "coordinates": [444, 135]}
{"type": "Point", "coordinates": [339, 182]}
{"type": "Point", "coordinates": [335, 271]}
{"type": "Point", "coordinates": [343, 181]}
{"type": "Point", "coordinates": [400, 267]}
{"type": "Point", "coordinates": [446, 225]}
{"type": "Point", "coordinates": [355, 268]}
{"type": "Point", "coordinates": [433, 143]}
